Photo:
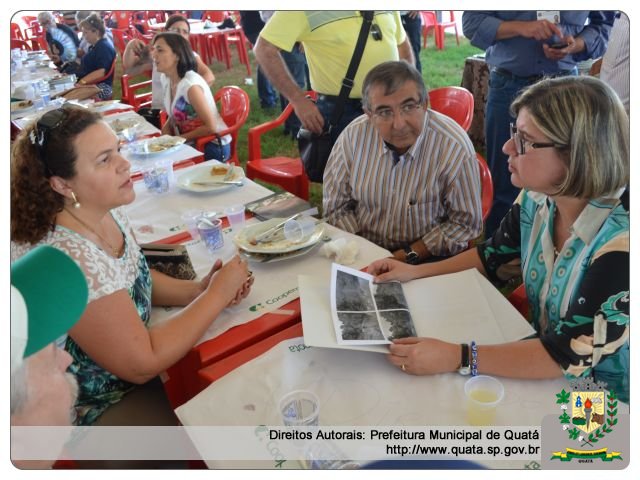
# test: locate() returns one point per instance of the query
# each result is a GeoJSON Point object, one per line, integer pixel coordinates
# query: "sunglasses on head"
{"type": "Point", "coordinates": [45, 125]}
{"type": "Point", "coordinates": [47, 122]}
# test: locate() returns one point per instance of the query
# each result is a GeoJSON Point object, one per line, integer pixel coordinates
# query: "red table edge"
{"type": "Point", "coordinates": [215, 371]}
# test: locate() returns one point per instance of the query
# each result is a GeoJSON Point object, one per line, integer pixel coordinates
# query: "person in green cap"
{"type": "Point", "coordinates": [48, 295]}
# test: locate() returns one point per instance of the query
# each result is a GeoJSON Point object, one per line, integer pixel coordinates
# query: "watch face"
{"type": "Point", "coordinates": [412, 258]}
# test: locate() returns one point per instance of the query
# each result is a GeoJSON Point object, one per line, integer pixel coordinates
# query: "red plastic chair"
{"type": "Point", "coordinates": [129, 95]}
{"type": "Point", "coordinates": [238, 38]}
{"type": "Point", "coordinates": [120, 39]}
{"type": "Point", "coordinates": [442, 26]}
{"type": "Point", "coordinates": [16, 32]}
{"type": "Point", "coordinates": [429, 24]}
{"type": "Point", "coordinates": [234, 109]}
{"type": "Point", "coordinates": [215, 16]}
{"type": "Point", "coordinates": [122, 18]}
{"type": "Point", "coordinates": [454, 102]}
{"type": "Point", "coordinates": [21, 44]}
{"type": "Point", "coordinates": [518, 298]}
{"type": "Point", "coordinates": [283, 171]}
{"type": "Point", "coordinates": [486, 183]}
{"type": "Point", "coordinates": [106, 75]}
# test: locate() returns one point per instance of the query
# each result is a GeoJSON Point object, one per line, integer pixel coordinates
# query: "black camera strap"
{"type": "Point", "coordinates": [347, 82]}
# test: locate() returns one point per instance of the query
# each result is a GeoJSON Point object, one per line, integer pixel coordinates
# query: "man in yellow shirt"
{"type": "Point", "coordinates": [329, 39]}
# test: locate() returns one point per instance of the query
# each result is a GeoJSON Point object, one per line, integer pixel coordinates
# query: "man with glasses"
{"type": "Point", "coordinates": [329, 39]}
{"type": "Point", "coordinates": [62, 41]}
{"type": "Point", "coordinates": [403, 176]}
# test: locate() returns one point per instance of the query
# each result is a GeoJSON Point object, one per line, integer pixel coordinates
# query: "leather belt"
{"type": "Point", "coordinates": [533, 78]}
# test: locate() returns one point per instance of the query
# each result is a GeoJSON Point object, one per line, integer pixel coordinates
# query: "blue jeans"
{"type": "Point", "coordinates": [297, 64]}
{"type": "Point", "coordinates": [502, 91]}
{"type": "Point", "coordinates": [266, 93]}
{"type": "Point", "coordinates": [413, 27]}
{"type": "Point", "coordinates": [215, 151]}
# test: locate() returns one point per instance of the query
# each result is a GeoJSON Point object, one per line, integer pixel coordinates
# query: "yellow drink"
{"type": "Point", "coordinates": [481, 406]}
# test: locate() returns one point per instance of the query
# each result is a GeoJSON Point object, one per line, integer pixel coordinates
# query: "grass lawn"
{"type": "Point", "coordinates": [440, 68]}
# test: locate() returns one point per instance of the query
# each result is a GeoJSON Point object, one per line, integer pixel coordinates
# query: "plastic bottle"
{"type": "Point", "coordinates": [38, 102]}
{"type": "Point", "coordinates": [45, 92]}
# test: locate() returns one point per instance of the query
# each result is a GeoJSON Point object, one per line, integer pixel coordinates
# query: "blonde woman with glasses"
{"type": "Point", "coordinates": [97, 62]}
{"type": "Point", "coordinates": [567, 235]}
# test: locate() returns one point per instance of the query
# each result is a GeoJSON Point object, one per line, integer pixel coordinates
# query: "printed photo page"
{"type": "Point", "coordinates": [367, 313]}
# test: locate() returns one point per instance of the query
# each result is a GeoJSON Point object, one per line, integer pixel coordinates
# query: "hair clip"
{"type": "Point", "coordinates": [32, 137]}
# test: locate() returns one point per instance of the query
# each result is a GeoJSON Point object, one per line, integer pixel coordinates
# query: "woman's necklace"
{"type": "Point", "coordinates": [116, 252]}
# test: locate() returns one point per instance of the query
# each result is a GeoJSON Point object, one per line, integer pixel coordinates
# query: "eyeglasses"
{"type": "Point", "coordinates": [49, 121]}
{"type": "Point", "coordinates": [386, 115]}
{"type": "Point", "coordinates": [521, 143]}
{"type": "Point", "coordinates": [40, 135]}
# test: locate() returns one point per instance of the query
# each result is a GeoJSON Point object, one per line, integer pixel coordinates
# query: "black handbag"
{"type": "Point", "coordinates": [315, 149]}
{"type": "Point", "coordinates": [172, 260]}
{"type": "Point", "coordinates": [151, 115]}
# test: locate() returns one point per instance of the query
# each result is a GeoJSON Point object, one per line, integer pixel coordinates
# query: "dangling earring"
{"type": "Point", "coordinates": [76, 203]}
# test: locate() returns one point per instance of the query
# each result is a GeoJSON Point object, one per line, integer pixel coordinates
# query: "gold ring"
{"type": "Point", "coordinates": [403, 367]}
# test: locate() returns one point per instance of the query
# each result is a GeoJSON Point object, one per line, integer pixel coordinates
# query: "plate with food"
{"type": "Point", "coordinates": [246, 239]}
{"type": "Point", "coordinates": [118, 125]}
{"type": "Point", "coordinates": [21, 106]}
{"type": "Point", "coordinates": [211, 178]}
{"type": "Point", "coordinates": [156, 145]}
{"type": "Point", "coordinates": [274, 257]}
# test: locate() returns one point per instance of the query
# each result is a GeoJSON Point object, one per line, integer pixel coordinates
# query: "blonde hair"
{"type": "Point", "coordinates": [584, 114]}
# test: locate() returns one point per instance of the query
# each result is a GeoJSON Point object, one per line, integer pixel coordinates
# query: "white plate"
{"type": "Point", "coordinates": [277, 257]}
{"type": "Point", "coordinates": [202, 173]}
{"type": "Point", "coordinates": [21, 106]}
{"type": "Point", "coordinates": [155, 145]}
{"type": "Point", "coordinates": [242, 239]}
{"type": "Point", "coordinates": [120, 124]}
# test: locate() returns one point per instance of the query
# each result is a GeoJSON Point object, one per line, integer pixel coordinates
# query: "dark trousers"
{"type": "Point", "coordinates": [413, 27]}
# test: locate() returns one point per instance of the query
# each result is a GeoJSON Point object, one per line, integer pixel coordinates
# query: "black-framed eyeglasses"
{"type": "Point", "coordinates": [521, 143]}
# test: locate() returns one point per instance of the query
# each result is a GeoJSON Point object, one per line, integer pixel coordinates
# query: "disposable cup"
{"type": "Point", "coordinates": [190, 220]}
{"type": "Point", "coordinates": [483, 395]}
{"type": "Point", "coordinates": [299, 230]}
{"type": "Point", "coordinates": [158, 177]}
{"type": "Point", "coordinates": [210, 229]}
{"type": "Point", "coordinates": [235, 214]}
{"type": "Point", "coordinates": [300, 408]}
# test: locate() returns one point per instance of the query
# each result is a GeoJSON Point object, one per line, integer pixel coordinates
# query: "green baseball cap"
{"type": "Point", "coordinates": [49, 294]}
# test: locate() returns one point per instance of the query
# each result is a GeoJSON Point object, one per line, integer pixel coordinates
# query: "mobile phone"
{"type": "Point", "coordinates": [558, 46]}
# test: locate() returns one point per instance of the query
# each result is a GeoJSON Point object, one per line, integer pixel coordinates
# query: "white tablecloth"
{"type": "Point", "coordinates": [276, 283]}
{"type": "Point", "coordinates": [356, 388]}
{"type": "Point", "coordinates": [155, 217]}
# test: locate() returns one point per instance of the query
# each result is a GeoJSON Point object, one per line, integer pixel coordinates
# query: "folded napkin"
{"type": "Point", "coordinates": [341, 250]}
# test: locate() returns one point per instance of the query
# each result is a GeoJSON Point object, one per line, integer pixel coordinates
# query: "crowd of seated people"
{"type": "Point", "coordinates": [401, 175]}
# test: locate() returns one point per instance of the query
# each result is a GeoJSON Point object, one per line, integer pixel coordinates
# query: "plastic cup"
{"type": "Point", "coordinates": [300, 408]}
{"type": "Point", "coordinates": [190, 220]}
{"type": "Point", "coordinates": [299, 230]}
{"type": "Point", "coordinates": [483, 395]}
{"type": "Point", "coordinates": [235, 214]}
{"type": "Point", "coordinates": [323, 455]}
{"type": "Point", "coordinates": [210, 230]}
{"type": "Point", "coordinates": [158, 177]}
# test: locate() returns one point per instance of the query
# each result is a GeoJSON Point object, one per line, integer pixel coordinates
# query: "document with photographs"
{"type": "Point", "coordinates": [367, 313]}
